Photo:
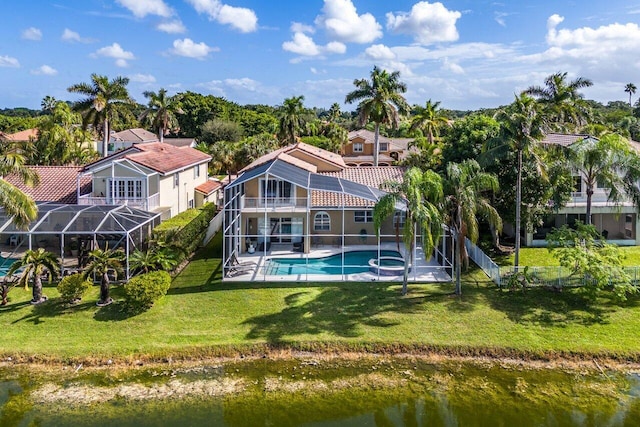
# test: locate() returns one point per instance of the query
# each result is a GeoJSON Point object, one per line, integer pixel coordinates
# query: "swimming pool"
{"type": "Point", "coordinates": [354, 262]}
{"type": "Point", "coordinates": [5, 265]}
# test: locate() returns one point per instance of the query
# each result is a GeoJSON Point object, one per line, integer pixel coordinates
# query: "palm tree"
{"type": "Point", "coordinates": [465, 187]}
{"type": "Point", "coordinates": [380, 100]}
{"type": "Point", "coordinates": [34, 264]}
{"type": "Point", "coordinates": [48, 104]}
{"type": "Point", "coordinates": [522, 126]}
{"type": "Point", "coordinates": [609, 163]}
{"type": "Point", "coordinates": [100, 263]}
{"type": "Point", "coordinates": [291, 119]}
{"type": "Point", "coordinates": [564, 104]}
{"type": "Point", "coordinates": [16, 203]}
{"type": "Point", "coordinates": [161, 111]}
{"type": "Point", "coordinates": [421, 194]}
{"type": "Point", "coordinates": [630, 88]}
{"type": "Point", "coordinates": [103, 100]}
{"type": "Point", "coordinates": [157, 258]}
{"type": "Point", "coordinates": [334, 112]}
{"type": "Point", "coordinates": [429, 119]}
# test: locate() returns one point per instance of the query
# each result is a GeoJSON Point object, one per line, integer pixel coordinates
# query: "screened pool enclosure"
{"type": "Point", "coordinates": [285, 222]}
{"type": "Point", "coordinates": [72, 231]}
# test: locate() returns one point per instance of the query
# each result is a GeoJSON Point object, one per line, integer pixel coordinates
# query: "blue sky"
{"type": "Point", "coordinates": [467, 54]}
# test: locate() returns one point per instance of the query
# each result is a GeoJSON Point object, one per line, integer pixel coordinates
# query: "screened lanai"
{"type": "Point", "coordinates": [285, 221]}
{"type": "Point", "coordinates": [72, 231]}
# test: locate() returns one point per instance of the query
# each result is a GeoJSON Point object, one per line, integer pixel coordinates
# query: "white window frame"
{"type": "Point", "coordinates": [277, 198]}
{"type": "Point", "coordinates": [363, 216]}
{"type": "Point", "coordinates": [358, 147]}
{"type": "Point", "coordinates": [383, 144]}
{"type": "Point", "coordinates": [126, 188]}
{"type": "Point", "coordinates": [322, 221]}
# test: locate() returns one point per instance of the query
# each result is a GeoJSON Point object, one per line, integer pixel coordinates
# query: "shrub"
{"type": "Point", "coordinates": [72, 288]}
{"type": "Point", "coordinates": [185, 231]}
{"type": "Point", "coordinates": [142, 291]}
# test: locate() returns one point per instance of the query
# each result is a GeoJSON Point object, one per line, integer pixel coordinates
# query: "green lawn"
{"type": "Point", "coordinates": [202, 315]}
{"type": "Point", "coordinates": [540, 257]}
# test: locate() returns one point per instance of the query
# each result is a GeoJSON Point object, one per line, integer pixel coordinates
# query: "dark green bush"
{"type": "Point", "coordinates": [73, 287]}
{"type": "Point", "coordinates": [186, 230]}
{"type": "Point", "coordinates": [142, 291]}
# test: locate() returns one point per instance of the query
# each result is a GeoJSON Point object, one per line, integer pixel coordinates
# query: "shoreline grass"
{"type": "Point", "coordinates": [203, 317]}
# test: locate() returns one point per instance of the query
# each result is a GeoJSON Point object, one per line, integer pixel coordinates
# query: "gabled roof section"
{"type": "Point", "coordinates": [209, 187]}
{"type": "Point", "coordinates": [115, 156]}
{"type": "Point", "coordinates": [57, 184]}
{"type": "Point", "coordinates": [165, 158]}
{"type": "Point", "coordinates": [303, 152]}
{"type": "Point", "coordinates": [180, 142]}
{"type": "Point", "coordinates": [23, 135]}
{"type": "Point", "coordinates": [563, 139]}
{"type": "Point", "coordinates": [134, 135]}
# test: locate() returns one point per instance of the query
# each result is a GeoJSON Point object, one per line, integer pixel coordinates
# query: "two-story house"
{"type": "Point", "coordinates": [151, 176]}
{"type": "Point", "coordinates": [618, 223]}
{"type": "Point", "coordinates": [359, 150]}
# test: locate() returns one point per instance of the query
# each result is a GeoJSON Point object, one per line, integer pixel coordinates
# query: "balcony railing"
{"type": "Point", "coordinates": [274, 202]}
{"type": "Point", "coordinates": [147, 204]}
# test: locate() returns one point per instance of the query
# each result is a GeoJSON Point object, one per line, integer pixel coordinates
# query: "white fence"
{"type": "Point", "coordinates": [490, 268]}
{"type": "Point", "coordinates": [214, 226]}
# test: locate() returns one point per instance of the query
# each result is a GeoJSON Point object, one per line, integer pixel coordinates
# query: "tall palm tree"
{"type": "Point", "coordinates": [630, 88]}
{"type": "Point", "coordinates": [609, 163]}
{"type": "Point", "coordinates": [562, 101]}
{"type": "Point", "coordinates": [16, 203]}
{"type": "Point", "coordinates": [465, 187]}
{"type": "Point", "coordinates": [48, 104]}
{"type": "Point", "coordinates": [334, 112]}
{"type": "Point", "coordinates": [100, 263]}
{"type": "Point", "coordinates": [291, 119]}
{"type": "Point", "coordinates": [421, 194]}
{"type": "Point", "coordinates": [429, 119]}
{"type": "Point", "coordinates": [161, 111]}
{"type": "Point", "coordinates": [34, 264]}
{"type": "Point", "coordinates": [522, 126]}
{"type": "Point", "coordinates": [104, 99]}
{"type": "Point", "coordinates": [380, 100]}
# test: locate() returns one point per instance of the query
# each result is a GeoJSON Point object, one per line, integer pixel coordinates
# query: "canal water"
{"type": "Point", "coordinates": [309, 392]}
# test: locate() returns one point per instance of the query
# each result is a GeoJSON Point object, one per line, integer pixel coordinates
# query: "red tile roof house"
{"type": "Point", "coordinates": [152, 176]}
{"type": "Point", "coordinates": [359, 150]}
{"type": "Point", "coordinates": [58, 184]}
{"type": "Point", "coordinates": [304, 202]}
{"type": "Point", "coordinates": [619, 223]}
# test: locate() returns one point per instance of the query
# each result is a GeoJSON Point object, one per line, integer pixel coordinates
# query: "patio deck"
{"type": "Point", "coordinates": [422, 272]}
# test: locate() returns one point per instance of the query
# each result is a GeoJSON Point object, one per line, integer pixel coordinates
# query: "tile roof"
{"type": "Point", "coordinates": [563, 139]}
{"type": "Point", "coordinates": [209, 187]}
{"type": "Point", "coordinates": [57, 184]}
{"type": "Point", "coordinates": [165, 158]}
{"type": "Point", "coordinates": [325, 155]}
{"type": "Point", "coordinates": [179, 142]}
{"type": "Point", "coordinates": [371, 176]}
{"type": "Point", "coordinates": [134, 135]}
{"type": "Point", "coordinates": [23, 135]}
{"type": "Point", "coordinates": [297, 162]}
{"type": "Point", "coordinates": [368, 159]}
{"type": "Point", "coordinates": [395, 144]}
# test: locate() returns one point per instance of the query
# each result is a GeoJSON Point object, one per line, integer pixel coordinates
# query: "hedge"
{"type": "Point", "coordinates": [186, 230]}
{"type": "Point", "coordinates": [142, 291]}
{"type": "Point", "coordinates": [72, 288]}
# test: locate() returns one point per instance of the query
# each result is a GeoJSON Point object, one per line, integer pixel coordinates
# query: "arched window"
{"type": "Point", "coordinates": [322, 222]}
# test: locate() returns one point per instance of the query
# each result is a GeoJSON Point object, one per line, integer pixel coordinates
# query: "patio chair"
{"type": "Point", "coordinates": [237, 270]}
{"type": "Point", "coordinates": [236, 263]}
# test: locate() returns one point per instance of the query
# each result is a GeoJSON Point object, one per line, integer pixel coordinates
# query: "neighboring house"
{"type": "Point", "coordinates": [24, 135]}
{"type": "Point", "coordinates": [181, 142]}
{"type": "Point", "coordinates": [619, 223]}
{"type": "Point", "coordinates": [210, 192]}
{"type": "Point", "coordinates": [359, 150]}
{"type": "Point", "coordinates": [126, 138]}
{"type": "Point", "coordinates": [151, 176]}
{"type": "Point", "coordinates": [58, 184]}
{"type": "Point", "coordinates": [301, 197]}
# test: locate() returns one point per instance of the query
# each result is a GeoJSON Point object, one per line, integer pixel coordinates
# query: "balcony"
{"type": "Point", "coordinates": [274, 203]}
{"type": "Point", "coordinates": [148, 204]}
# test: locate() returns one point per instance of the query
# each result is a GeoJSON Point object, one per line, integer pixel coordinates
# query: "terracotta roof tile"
{"type": "Point", "coordinates": [325, 155]}
{"type": "Point", "coordinates": [57, 184]}
{"type": "Point", "coordinates": [24, 135]}
{"type": "Point", "coordinates": [368, 175]}
{"type": "Point", "coordinates": [209, 187]}
{"type": "Point", "coordinates": [134, 135]}
{"type": "Point", "coordinates": [165, 158]}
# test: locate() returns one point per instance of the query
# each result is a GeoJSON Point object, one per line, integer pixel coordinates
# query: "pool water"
{"type": "Point", "coordinates": [5, 265]}
{"type": "Point", "coordinates": [354, 262]}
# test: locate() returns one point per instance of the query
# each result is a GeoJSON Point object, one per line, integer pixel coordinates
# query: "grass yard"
{"type": "Point", "coordinates": [202, 315]}
{"type": "Point", "coordinates": [540, 257]}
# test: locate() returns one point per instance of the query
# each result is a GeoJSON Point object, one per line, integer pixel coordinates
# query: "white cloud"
{"type": "Point", "coordinates": [116, 52]}
{"type": "Point", "coordinates": [190, 49]}
{"type": "Point", "coordinates": [7, 61]}
{"type": "Point", "coordinates": [142, 8]}
{"type": "Point", "coordinates": [242, 19]}
{"type": "Point", "coordinates": [452, 67]}
{"type": "Point", "coordinates": [427, 22]}
{"type": "Point", "coordinates": [379, 52]}
{"type": "Point", "coordinates": [297, 27]}
{"type": "Point", "coordinates": [32, 33]}
{"type": "Point", "coordinates": [72, 36]}
{"type": "Point", "coordinates": [172, 27]}
{"type": "Point", "coordinates": [341, 21]}
{"type": "Point", "coordinates": [44, 70]}
{"type": "Point", "coordinates": [304, 45]}
{"type": "Point", "coordinates": [244, 83]}
{"type": "Point", "coordinates": [142, 78]}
